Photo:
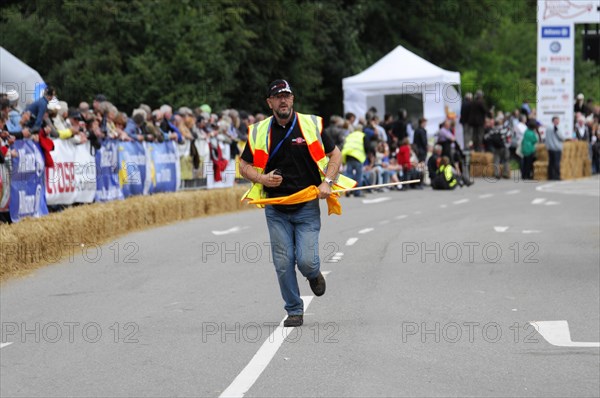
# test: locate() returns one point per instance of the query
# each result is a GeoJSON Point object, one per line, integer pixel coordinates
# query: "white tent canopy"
{"type": "Point", "coordinates": [403, 72]}
{"type": "Point", "coordinates": [17, 75]}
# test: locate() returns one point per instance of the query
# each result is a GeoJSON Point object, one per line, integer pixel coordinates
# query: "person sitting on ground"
{"type": "Point", "coordinates": [445, 178]}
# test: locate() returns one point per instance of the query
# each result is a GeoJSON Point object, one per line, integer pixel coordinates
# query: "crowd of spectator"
{"type": "Point", "coordinates": [204, 138]}
{"type": "Point", "coordinates": [376, 150]}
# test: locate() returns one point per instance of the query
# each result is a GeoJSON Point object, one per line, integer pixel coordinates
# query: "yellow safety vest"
{"type": "Point", "coordinates": [354, 146]}
{"type": "Point", "coordinates": [311, 127]}
{"type": "Point", "coordinates": [448, 175]}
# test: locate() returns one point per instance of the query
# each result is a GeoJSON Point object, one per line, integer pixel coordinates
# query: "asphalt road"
{"type": "Point", "coordinates": [428, 294]}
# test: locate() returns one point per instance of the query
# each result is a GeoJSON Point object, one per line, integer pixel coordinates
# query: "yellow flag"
{"type": "Point", "coordinates": [306, 195]}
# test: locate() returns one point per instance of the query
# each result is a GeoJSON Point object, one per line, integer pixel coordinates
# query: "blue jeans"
{"type": "Point", "coordinates": [294, 240]}
{"type": "Point", "coordinates": [354, 170]}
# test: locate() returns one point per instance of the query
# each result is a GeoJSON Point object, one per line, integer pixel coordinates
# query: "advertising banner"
{"type": "Point", "coordinates": [27, 191]}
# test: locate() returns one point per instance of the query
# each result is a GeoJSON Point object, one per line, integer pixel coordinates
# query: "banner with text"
{"type": "Point", "coordinates": [107, 173]}
{"type": "Point", "coordinates": [132, 168]}
{"type": "Point", "coordinates": [27, 191]}
{"type": "Point", "coordinates": [162, 166]}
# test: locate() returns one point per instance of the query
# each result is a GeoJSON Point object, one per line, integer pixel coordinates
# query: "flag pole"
{"type": "Point", "coordinates": [375, 186]}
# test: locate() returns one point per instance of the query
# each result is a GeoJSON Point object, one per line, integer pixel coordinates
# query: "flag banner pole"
{"type": "Point", "coordinates": [375, 186]}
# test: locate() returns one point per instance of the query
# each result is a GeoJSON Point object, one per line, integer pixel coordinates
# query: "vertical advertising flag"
{"type": "Point", "coordinates": [107, 173]}
{"type": "Point", "coordinates": [162, 167]}
{"type": "Point", "coordinates": [27, 188]}
{"type": "Point", "coordinates": [132, 168]}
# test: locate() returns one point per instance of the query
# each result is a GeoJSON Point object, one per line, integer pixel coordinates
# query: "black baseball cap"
{"type": "Point", "coordinates": [279, 86]}
{"type": "Point", "coordinates": [75, 114]}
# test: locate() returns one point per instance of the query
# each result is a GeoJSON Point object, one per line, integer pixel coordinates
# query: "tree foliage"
{"type": "Point", "coordinates": [225, 52]}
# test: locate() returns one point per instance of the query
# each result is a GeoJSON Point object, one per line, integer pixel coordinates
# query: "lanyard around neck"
{"type": "Point", "coordinates": [272, 154]}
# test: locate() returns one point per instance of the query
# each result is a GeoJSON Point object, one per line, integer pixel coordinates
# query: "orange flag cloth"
{"type": "Point", "coordinates": [306, 195]}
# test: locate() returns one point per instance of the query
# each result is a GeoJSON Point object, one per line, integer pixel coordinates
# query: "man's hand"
{"type": "Point", "coordinates": [271, 180]}
{"type": "Point", "coordinates": [324, 190]}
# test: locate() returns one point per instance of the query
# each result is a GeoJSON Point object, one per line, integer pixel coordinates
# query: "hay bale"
{"type": "Point", "coordinates": [541, 153]}
{"type": "Point", "coordinates": [481, 164]}
{"type": "Point", "coordinates": [587, 167]}
{"type": "Point", "coordinates": [540, 170]}
{"type": "Point", "coordinates": [34, 242]}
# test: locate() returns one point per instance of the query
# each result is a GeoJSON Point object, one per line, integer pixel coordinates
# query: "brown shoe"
{"type": "Point", "coordinates": [317, 285]}
{"type": "Point", "coordinates": [293, 321]}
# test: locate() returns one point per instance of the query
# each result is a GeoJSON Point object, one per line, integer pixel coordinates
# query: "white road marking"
{"type": "Point", "coordinates": [588, 187]}
{"type": "Point", "coordinates": [336, 257]}
{"type": "Point", "coordinates": [551, 203]}
{"type": "Point", "coordinates": [538, 201]}
{"type": "Point", "coordinates": [400, 217]}
{"type": "Point", "coordinates": [384, 222]}
{"type": "Point", "coordinates": [531, 231]}
{"type": "Point", "coordinates": [248, 376]}
{"type": "Point", "coordinates": [500, 229]}
{"type": "Point", "coordinates": [365, 231]}
{"type": "Point", "coordinates": [229, 231]}
{"type": "Point", "coordinates": [351, 241]}
{"type": "Point", "coordinates": [486, 195]}
{"type": "Point", "coordinates": [325, 273]}
{"type": "Point", "coordinates": [376, 200]}
{"type": "Point", "coordinates": [514, 191]}
{"type": "Point", "coordinates": [457, 202]}
{"type": "Point", "coordinates": [2, 345]}
{"type": "Point", "coordinates": [443, 206]}
{"type": "Point", "coordinates": [557, 333]}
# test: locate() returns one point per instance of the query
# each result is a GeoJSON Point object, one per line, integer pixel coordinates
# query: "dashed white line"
{"type": "Point", "coordinates": [383, 222]}
{"type": "Point", "coordinates": [500, 228]}
{"type": "Point", "coordinates": [248, 376]}
{"type": "Point", "coordinates": [336, 257]}
{"type": "Point", "coordinates": [365, 231]}
{"type": "Point", "coordinates": [551, 203]}
{"type": "Point", "coordinates": [557, 333]}
{"type": "Point", "coordinates": [400, 217]}
{"type": "Point", "coordinates": [486, 195]}
{"type": "Point", "coordinates": [351, 241]}
{"type": "Point", "coordinates": [2, 345]}
{"type": "Point", "coordinates": [376, 200]}
{"type": "Point", "coordinates": [538, 201]}
{"type": "Point", "coordinates": [514, 191]}
{"type": "Point", "coordinates": [531, 231]}
{"type": "Point", "coordinates": [229, 231]}
{"type": "Point", "coordinates": [458, 202]}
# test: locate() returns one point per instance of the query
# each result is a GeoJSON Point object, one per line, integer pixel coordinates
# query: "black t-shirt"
{"type": "Point", "coordinates": [297, 167]}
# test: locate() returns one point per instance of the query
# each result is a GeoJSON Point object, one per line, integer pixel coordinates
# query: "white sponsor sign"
{"type": "Point", "coordinates": [73, 177]}
{"type": "Point", "coordinates": [555, 57]}
{"type": "Point", "coordinates": [85, 174]}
